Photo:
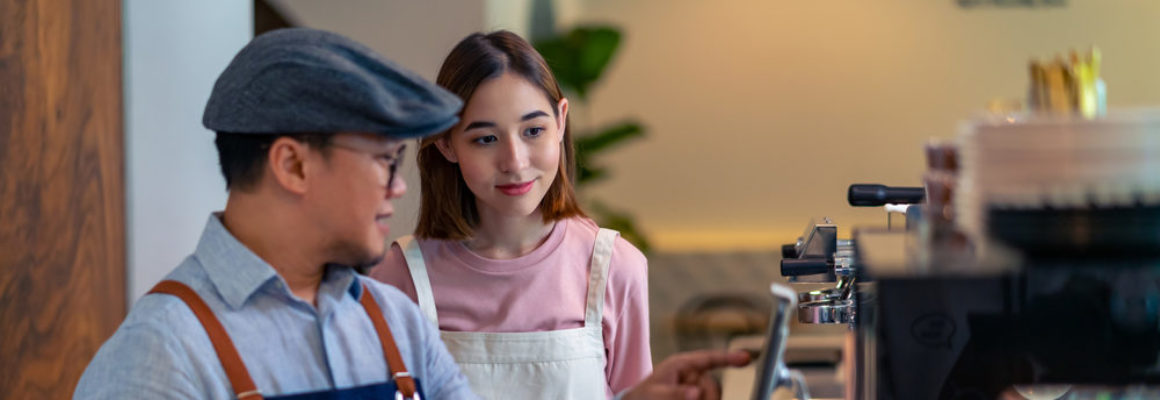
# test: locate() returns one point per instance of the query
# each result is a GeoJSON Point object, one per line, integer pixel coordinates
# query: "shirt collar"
{"type": "Point", "coordinates": [233, 269]}
{"type": "Point", "coordinates": [238, 273]}
{"type": "Point", "coordinates": [339, 280]}
{"type": "Point", "coordinates": [356, 288]}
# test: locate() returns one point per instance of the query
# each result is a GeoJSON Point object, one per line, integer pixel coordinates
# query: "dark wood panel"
{"type": "Point", "coordinates": [62, 240]}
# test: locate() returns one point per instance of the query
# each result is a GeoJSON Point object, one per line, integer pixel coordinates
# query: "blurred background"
{"type": "Point", "coordinates": [747, 118]}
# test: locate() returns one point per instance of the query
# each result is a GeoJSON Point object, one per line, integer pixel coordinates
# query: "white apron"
{"type": "Point", "coordinates": [560, 364]}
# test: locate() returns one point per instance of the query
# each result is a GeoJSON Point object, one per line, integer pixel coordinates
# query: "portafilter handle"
{"type": "Point", "coordinates": [789, 250]}
{"type": "Point", "coordinates": [805, 266]}
{"type": "Point", "coordinates": [874, 195]}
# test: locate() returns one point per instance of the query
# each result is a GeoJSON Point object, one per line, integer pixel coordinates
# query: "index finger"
{"type": "Point", "coordinates": [703, 360]}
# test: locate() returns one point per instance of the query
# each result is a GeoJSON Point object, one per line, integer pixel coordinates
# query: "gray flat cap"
{"type": "Point", "coordinates": [305, 80]}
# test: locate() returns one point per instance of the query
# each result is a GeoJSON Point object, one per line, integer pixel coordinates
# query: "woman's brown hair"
{"type": "Point", "coordinates": [447, 208]}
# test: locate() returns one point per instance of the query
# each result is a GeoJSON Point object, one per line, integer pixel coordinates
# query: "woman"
{"type": "Point", "coordinates": [531, 297]}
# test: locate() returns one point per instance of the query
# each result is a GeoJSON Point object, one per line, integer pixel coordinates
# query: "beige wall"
{"type": "Point", "coordinates": [761, 112]}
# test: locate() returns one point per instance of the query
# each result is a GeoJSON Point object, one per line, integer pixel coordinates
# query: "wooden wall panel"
{"type": "Point", "coordinates": [62, 228]}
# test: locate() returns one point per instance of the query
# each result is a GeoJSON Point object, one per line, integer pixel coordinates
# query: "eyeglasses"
{"type": "Point", "coordinates": [392, 162]}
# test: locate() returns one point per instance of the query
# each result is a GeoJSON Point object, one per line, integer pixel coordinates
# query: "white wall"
{"type": "Point", "coordinates": [174, 51]}
{"type": "Point", "coordinates": [761, 112]}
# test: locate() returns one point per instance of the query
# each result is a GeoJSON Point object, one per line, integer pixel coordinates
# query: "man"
{"type": "Point", "coordinates": [310, 128]}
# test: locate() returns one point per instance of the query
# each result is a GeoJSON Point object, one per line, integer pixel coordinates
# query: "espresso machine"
{"type": "Point", "coordinates": [1030, 268]}
{"type": "Point", "coordinates": [1073, 317]}
{"type": "Point", "coordinates": [820, 256]}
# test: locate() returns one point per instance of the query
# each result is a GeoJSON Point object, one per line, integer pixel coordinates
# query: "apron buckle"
{"type": "Point", "coordinates": [254, 392]}
{"type": "Point", "coordinates": [399, 396]}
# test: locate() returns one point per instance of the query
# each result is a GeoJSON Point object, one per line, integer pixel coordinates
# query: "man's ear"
{"type": "Point", "coordinates": [286, 161]}
{"type": "Point", "coordinates": [444, 145]}
{"type": "Point", "coordinates": [562, 117]}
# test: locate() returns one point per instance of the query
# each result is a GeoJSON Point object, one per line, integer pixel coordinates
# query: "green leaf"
{"type": "Point", "coordinates": [607, 137]}
{"type": "Point", "coordinates": [580, 57]}
{"type": "Point", "coordinates": [586, 174]}
{"type": "Point", "coordinates": [591, 144]}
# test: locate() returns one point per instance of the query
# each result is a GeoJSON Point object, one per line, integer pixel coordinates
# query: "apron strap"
{"type": "Point", "coordinates": [418, 268]}
{"type": "Point", "coordinates": [236, 371]}
{"type": "Point", "coordinates": [597, 275]}
{"type": "Point", "coordinates": [402, 378]}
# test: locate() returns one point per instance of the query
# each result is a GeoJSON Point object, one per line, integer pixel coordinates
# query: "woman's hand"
{"type": "Point", "coordinates": [685, 376]}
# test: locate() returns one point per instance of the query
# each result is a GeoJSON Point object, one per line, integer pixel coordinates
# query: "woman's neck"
{"type": "Point", "coordinates": [503, 237]}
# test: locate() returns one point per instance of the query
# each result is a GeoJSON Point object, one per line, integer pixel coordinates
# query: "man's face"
{"type": "Point", "coordinates": [350, 195]}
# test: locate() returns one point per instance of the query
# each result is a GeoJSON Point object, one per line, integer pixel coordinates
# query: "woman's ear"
{"type": "Point", "coordinates": [562, 116]}
{"type": "Point", "coordinates": [443, 143]}
{"type": "Point", "coordinates": [286, 161]}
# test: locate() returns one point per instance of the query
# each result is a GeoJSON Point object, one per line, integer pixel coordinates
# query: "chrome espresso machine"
{"type": "Point", "coordinates": [1029, 267]}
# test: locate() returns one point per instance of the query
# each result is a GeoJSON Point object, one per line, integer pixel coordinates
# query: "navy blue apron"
{"type": "Point", "coordinates": [386, 390]}
{"type": "Point", "coordinates": [401, 385]}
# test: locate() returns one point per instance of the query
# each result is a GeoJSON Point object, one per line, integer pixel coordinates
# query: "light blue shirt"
{"type": "Point", "coordinates": [161, 350]}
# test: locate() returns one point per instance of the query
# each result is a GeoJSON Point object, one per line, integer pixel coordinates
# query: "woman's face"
{"type": "Point", "coordinates": [507, 145]}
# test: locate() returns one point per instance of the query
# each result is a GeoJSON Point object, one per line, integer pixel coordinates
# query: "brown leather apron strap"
{"type": "Point", "coordinates": [403, 380]}
{"type": "Point", "coordinates": [236, 371]}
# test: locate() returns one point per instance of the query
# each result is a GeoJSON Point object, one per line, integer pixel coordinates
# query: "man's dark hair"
{"type": "Point", "coordinates": [242, 155]}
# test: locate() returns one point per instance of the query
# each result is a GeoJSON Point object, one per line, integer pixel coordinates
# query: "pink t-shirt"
{"type": "Point", "coordinates": [541, 291]}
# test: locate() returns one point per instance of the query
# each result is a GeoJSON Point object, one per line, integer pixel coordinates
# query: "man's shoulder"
{"type": "Point", "coordinates": [155, 325]}
{"type": "Point", "coordinates": [158, 309]}
{"type": "Point", "coordinates": [148, 354]}
{"type": "Point", "coordinates": [167, 320]}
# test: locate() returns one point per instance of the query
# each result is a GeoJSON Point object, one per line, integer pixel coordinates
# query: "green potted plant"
{"type": "Point", "coordinates": [578, 58]}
